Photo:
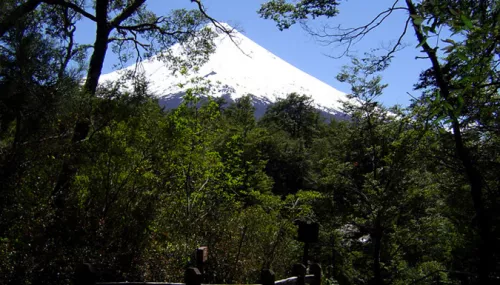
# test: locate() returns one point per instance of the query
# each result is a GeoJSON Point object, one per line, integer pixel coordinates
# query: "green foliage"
{"type": "Point", "coordinates": [285, 13]}
{"type": "Point", "coordinates": [296, 115]}
{"type": "Point", "coordinates": [455, 117]}
{"type": "Point", "coordinates": [387, 186]}
{"type": "Point", "coordinates": [379, 192]}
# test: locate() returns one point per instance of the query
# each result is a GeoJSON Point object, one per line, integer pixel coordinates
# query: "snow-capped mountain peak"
{"type": "Point", "coordinates": [241, 67]}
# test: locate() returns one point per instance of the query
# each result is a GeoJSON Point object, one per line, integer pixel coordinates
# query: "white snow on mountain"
{"type": "Point", "coordinates": [242, 68]}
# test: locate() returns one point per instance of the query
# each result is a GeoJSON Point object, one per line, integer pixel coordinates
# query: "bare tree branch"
{"type": "Point", "coordinates": [73, 6]}
{"type": "Point", "coordinates": [216, 23]}
{"type": "Point", "coordinates": [398, 43]}
{"type": "Point", "coordinates": [347, 37]}
{"type": "Point", "coordinates": [131, 39]}
{"type": "Point", "coordinates": [219, 26]}
{"type": "Point", "coordinates": [141, 27]}
{"type": "Point", "coordinates": [149, 27]}
{"type": "Point", "coordinates": [126, 13]}
{"type": "Point", "coordinates": [69, 30]}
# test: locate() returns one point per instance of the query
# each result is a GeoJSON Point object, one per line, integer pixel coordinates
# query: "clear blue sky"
{"type": "Point", "coordinates": [301, 50]}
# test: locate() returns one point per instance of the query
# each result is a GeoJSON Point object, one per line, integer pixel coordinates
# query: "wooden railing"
{"type": "Point", "coordinates": [86, 275]}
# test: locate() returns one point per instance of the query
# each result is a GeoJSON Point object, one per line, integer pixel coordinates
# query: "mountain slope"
{"type": "Point", "coordinates": [240, 69]}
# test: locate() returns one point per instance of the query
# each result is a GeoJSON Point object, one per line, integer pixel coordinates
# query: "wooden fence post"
{"type": "Point", "coordinates": [299, 270]}
{"type": "Point", "coordinates": [316, 270]}
{"type": "Point", "coordinates": [85, 274]}
{"type": "Point", "coordinates": [201, 258]}
{"type": "Point", "coordinates": [267, 277]}
{"type": "Point", "coordinates": [192, 276]}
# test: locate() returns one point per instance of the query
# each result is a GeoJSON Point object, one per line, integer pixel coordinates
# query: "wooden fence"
{"type": "Point", "coordinates": [86, 275]}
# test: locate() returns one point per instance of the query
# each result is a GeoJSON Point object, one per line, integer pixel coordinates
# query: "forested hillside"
{"type": "Point", "coordinates": [93, 173]}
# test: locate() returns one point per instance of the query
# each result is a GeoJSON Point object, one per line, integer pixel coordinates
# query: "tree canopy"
{"type": "Point", "coordinates": [94, 173]}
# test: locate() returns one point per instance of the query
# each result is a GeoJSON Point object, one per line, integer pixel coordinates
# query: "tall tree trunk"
{"type": "Point", "coordinates": [82, 126]}
{"type": "Point", "coordinates": [472, 173]}
{"type": "Point", "coordinates": [97, 59]}
{"type": "Point", "coordinates": [377, 247]}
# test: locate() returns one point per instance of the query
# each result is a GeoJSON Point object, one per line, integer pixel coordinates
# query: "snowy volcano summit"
{"type": "Point", "coordinates": [240, 67]}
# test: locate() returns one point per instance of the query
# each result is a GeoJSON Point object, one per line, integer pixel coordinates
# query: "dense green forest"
{"type": "Point", "coordinates": [93, 173]}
